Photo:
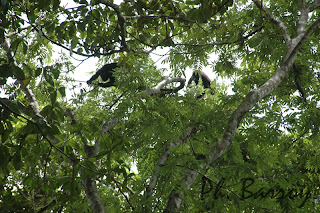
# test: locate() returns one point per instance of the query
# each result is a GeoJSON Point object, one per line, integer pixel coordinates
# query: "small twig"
{"type": "Point", "coordinates": [123, 194]}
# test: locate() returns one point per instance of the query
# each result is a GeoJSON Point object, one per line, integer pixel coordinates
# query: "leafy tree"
{"type": "Point", "coordinates": [255, 149]}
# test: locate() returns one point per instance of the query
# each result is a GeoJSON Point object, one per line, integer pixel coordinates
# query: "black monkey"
{"type": "Point", "coordinates": [297, 69]}
{"type": "Point", "coordinates": [105, 72]}
{"type": "Point", "coordinates": [205, 81]}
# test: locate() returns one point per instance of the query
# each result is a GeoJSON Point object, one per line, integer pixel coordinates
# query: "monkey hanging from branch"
{"type": "Point", "coordinates": [206, 81]}
{"type": "Point", "coordinates": [297, 70]}
{"type": "Point", "coordinates": [106, 73]}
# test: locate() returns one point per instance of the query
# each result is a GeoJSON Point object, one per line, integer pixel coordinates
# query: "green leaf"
{"type": "Point", "coordinates": [16, 160]}
{"type": "Point", "coordinates": [25, 47]}
{"type": "Point", "coordinates": [80, 50]}
{"type": "Point", "coordinates": [68, 150]}
{"type": "Point", "coordinates": [72, 30]}
{"type": "Point", "coordinates": [83, 2]}
{"type": "Point", "coordinates": [53, 96]}
{"type": "Point", "coordinates": [18, 72]}
{"type": "Point", "coordinates": [32, 16]}
{"type": "Point", "coordinates": [15, 43]}
{"type": "Point", "coordinates": [4, 156]}
{"type": "Point", "coordinates": [54, 130]}
{"type": "Point", "coordinates": [62, 91]}
{"type": "Point", "coordinates": [74, 42]}
{"type": "Point", "coordinates": [48, 78]}
{"type": "Point", "coordinates": [38, 72]}
{"type": "Point", "coordinates": [29, 181]}
{"type": "Point", "coordinates": [5, 71]}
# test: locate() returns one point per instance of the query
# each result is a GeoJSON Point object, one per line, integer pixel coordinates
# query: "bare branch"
{"type": "Point", "coordinates": [106, 127]}
{"type": "Point", "coordinates": [300, 39]}
{"type": "Point", "coordinates": [157, 89]}
{"type": "Point", "coordinates": [123, 193]}
{"type": "Point", "coordinates": [276, 21]}
{"type": "Point", "coordinates": [89, 184]}
{"type": "Point", "coordinates": [303, 17]}
{"type": "Point", "coordinates": [176, 197]}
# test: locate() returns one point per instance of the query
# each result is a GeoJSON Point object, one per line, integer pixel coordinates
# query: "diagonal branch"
{"type": "Point", "coordinates": [41, 33]}
{"type": "Point", "coordinates": [279, 23]}
{"type": "Point", "coordinates": [256, 95]}
{"type": "Point", "coordinates": [176, 197]}
{"type": "Point", "coordinates": [28, 92]}
{"type": "Point", "coordinates": [314, 5]}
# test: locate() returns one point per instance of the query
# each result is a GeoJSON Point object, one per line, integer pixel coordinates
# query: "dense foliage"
{"type": "Point", "coordinates": [252, 146]}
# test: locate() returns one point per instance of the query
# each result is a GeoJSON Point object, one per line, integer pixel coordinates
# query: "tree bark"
{"type": "Point", "coordinates": [293, 47]}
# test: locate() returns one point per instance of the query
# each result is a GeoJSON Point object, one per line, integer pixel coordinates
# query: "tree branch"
{"type": "Point", "coordinates": [163, 159]}
{"type": "Point", "coordinates": [157, 89]}
{"type": "Point", "coordinates": [221, 43]}
{"type": "Point", "coordinates": [17, 32]}
{"type": "Point", "coordinates": [256, 95]}
{"type": "Point", "coordinates": [93, 196]}
{"type": "Point", "coordinates": [314, 5]}
{"type": "Point", "coordinates": [121, 21]}
{"type": "Point", "coordinates": [279, 23]}
{"type": "Point", "coordinates": [28, 92]}
{"type": "Point", "coordinates": [303, 17]}
{"type": "Point", "coordinates": [60, 45]}
{"type": "Point", "coordinates": [123, 193]}
{"type": "Point", "coordinates": [89, 183]}
{"type": "Point", "coordinates": [176, 197]}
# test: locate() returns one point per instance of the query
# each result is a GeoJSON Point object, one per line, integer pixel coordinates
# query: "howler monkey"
{"type": "Point", "coordinates": [205, 81]}
{"type": "Point", "coordinates": [105, 72]}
